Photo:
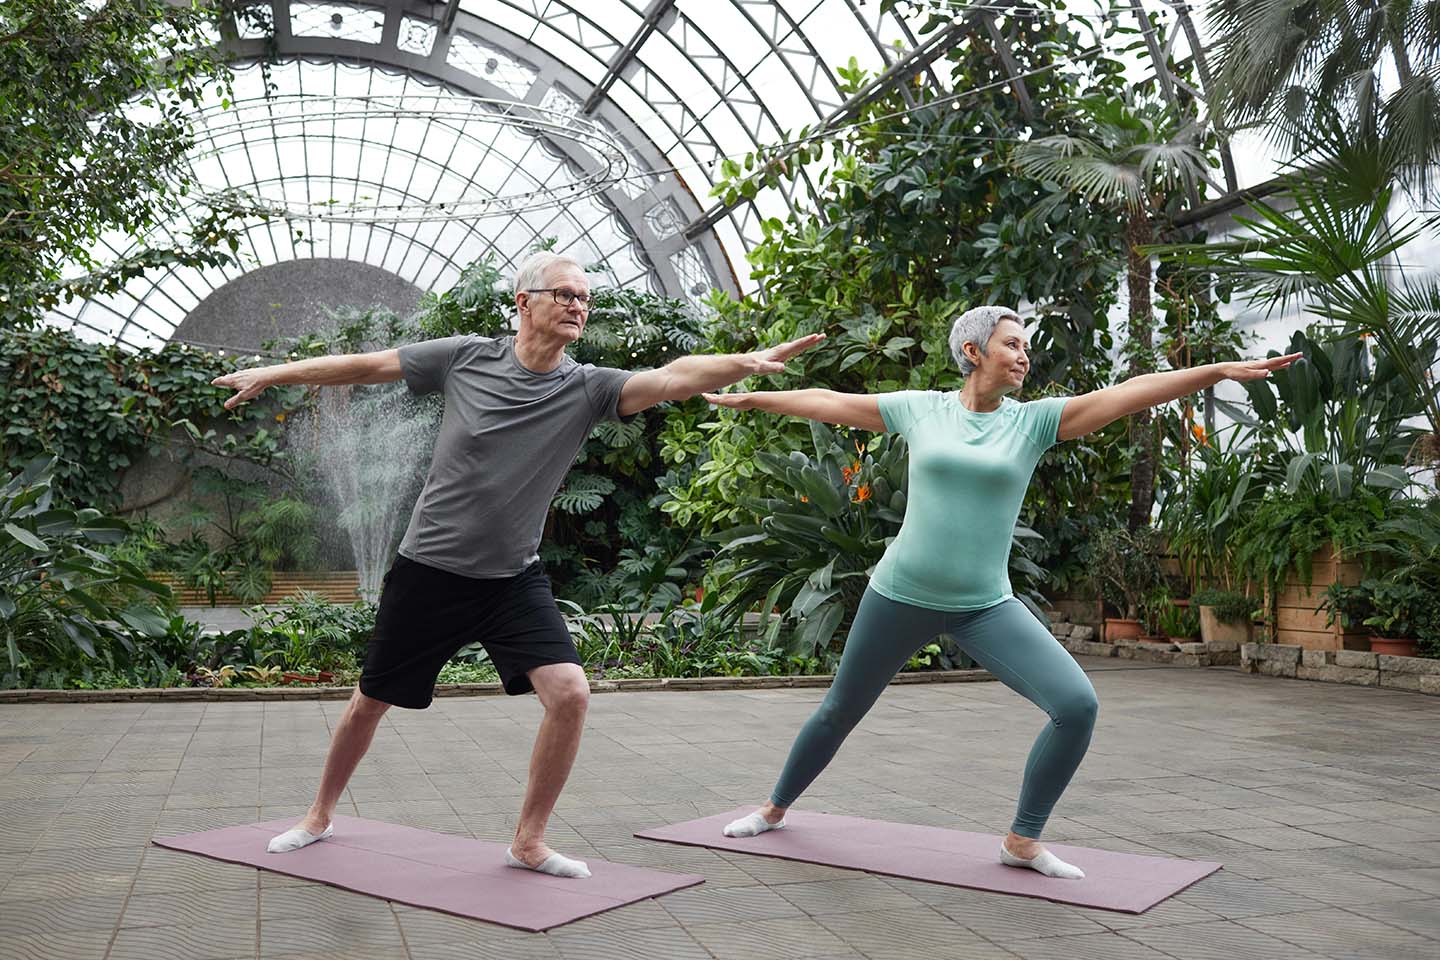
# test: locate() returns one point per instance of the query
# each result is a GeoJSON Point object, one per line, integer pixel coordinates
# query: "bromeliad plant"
{"type": "Point", "coordinates": [58, 594]}
{"type": "Point", "coordinates": [812, 546]}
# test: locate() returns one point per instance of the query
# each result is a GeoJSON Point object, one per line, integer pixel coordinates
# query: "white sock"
{"type": "Point", "coordinates": [1046, 863]}
{"type": "Point", "coordinates": [555, 865]}
{"type": "Point", "coordinates": [296, 838]}
{"type": "Point", "coordinates": [751, 825]}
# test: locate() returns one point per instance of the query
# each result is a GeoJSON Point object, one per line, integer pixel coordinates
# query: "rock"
{"type": "Point", "coordinates": [1317, 658]}
{"type": "Point", "coordinates": [1359, 659]}
{"type": "Point", "coordinates": [1333, 674]}
{"type": "Point", "coordinates": [1081, 633]}
{"type": "Point", "coordinates": [1415, 665]}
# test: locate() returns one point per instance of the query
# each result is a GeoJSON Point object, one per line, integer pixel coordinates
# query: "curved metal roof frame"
{"type": "Point", "coordinates": [681, 84]}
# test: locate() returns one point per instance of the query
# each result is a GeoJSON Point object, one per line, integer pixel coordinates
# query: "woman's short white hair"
{"type": "Point", "coordinates": [531, 275]}
{"type": "Point", "coordinates": [975, 326]}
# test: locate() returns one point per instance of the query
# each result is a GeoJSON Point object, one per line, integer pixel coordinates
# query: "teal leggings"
{"type": "Point", "coordinates": [1005, 639]}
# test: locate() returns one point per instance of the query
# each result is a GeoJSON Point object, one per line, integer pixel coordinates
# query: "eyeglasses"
{"type": "Point", "coordinates": [565, 296]}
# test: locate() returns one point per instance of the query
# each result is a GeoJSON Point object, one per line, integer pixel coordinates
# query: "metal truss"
{"type": "Point", "coordinates": [678, 86]}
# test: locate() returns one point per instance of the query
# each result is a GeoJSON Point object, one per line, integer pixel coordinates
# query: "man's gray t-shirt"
{"type": "Point", "coordinates": [508, 437]}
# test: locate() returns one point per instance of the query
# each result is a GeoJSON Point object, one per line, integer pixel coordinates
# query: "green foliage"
{"type": "Point", "coordinates": [59, 596]}
{"type": "Point", "coordinates": [99, 409]}
{"type": "Point", "coordinates": [78, 162]}
{"type": "Point", "coordinates": [1306, 65]}
{"type": "Point", "coordinates": [1337, 423]}
{"type": "Point", "coordinates": [816, 538]}
{"type": "Point", "coordinates": [920, 215]}
{"type": "Point", "coordinates": [1179, 623]}
{"type": "Point", "coordinates": [1229, 606]}
{"type": "Point", "coordinates": [1199, 519]}
{"type": "Point", "coordinates": [1283, 533]}
{"type": "Point", "coordinates": [1126, 565]}
{"type": "Point", "coordinates": [1332, 253]}
{"type": "Point", "coordinates": [307, 632]}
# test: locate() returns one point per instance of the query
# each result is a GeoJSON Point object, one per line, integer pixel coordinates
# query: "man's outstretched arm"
{"type": "Point", "coordinates": [690, 376]}
{"type": "Point", "coordinates": [381, 366]}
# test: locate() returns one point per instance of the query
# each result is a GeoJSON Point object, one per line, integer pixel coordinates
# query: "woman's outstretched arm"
{"type": "Point", "coordinates": [1091, 411]}
{"type": "Point", "coordinates": [860, 410]}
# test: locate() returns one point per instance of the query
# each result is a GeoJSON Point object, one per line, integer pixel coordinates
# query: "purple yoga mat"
{"type": "Point", "coordinates": [1113, 881]}
{"type": "Point", "coordinates": [437, 871]}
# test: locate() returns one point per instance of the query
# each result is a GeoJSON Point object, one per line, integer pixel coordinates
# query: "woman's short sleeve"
{"type": "Point", "coordinates": [901, 410]}
{"type": "Point", "coordinates": [1040, 419]}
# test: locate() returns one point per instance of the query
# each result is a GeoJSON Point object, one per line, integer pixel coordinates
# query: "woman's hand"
{"type": "Point", "coordinates": [1242, 370]}
{"type": "Point", "coordinates": [735, 401]}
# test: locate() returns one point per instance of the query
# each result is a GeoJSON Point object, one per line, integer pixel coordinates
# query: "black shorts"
{"type": "Point", "coordinates": [426, 615]}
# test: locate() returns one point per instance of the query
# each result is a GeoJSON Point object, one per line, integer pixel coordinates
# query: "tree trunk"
{"type": "Point", "coordinates": [1141, 350]}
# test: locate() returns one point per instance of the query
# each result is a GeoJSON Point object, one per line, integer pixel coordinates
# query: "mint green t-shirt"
{"type": "Point", "coordinates": [968, 476]}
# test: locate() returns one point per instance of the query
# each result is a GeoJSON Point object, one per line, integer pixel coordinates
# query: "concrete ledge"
{"type": "Point", "coordinates": [211, 694]}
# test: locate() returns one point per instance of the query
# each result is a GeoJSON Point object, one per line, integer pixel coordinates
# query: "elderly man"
{"type": "Point", "coordinates": [517, 410]}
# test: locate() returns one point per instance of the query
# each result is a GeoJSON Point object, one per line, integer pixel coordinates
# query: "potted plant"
{"type": "Point", "coordinates": [1126, 567]}
{"type": "Point", "coordinates": [1224, 617]}
{"type": "Point", "coordinates": [1179, 624]}
{"type": "Point", "coordinates": [1348, 605]}
{"type": "Point", "coordinates": [1395, 605]}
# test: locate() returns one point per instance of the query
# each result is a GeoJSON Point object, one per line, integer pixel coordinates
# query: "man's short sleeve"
{"type": "Point", "coordinates": [1040, 419]}
{"type": "Point", "coordinates": [426, 363]}
{"type": "Point", "coordinates": [901, 410]}
{"type": "Point", "coordinates": [602, 386]}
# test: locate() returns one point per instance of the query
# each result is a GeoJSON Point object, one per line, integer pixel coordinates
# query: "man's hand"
{"type": "Point", "coordinates": [249, 383]}
{"type": "Point", "coordinates": [772, 359]}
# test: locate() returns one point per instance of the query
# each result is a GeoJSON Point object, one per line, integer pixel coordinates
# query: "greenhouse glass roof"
{"type": "Point", "coordinates": [672, 87]}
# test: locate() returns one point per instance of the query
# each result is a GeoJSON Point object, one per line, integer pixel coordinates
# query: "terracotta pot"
{"type": "Point", "coordinates": [324, 676]}
{"type": "Point", "coordinates": [1117, 629]}
{"type": "Point", "coordinates": [1394, 647]}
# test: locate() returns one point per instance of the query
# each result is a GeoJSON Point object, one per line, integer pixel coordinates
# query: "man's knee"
{"type": "Point", "coordinates": [564, 692]}
{"type": "Point", "coordinates": [367, 708]}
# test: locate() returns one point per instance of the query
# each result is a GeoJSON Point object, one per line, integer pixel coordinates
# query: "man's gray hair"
{"type": "Point", "coordinates": [975, 326]}
{"type": "Point", "coordinates": [531, 275]}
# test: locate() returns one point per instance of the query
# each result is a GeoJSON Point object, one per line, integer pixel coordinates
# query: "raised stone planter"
{"type": "Point", "coordinates": [1079, 641]}
{"type": "Point", "coordinates": [1356, 667]}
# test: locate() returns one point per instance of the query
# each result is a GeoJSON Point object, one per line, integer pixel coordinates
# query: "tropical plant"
{"type": "Point", "coordinates": [1179, 623]}
{"type": "Point", "coordinates": [1337, 424]}
{"type": "Point", "coordinates": [58, 594]}
{"type": "Point", "coordinates": [1200, 516]}
{"type": "Point", "coordinates": [1374, 66]}
{"type": "Point", "coordinates": [1284, 532]}
{"type": "Point", "coordinates": [1334, 253]}
{"type": "Point", "coordinates": [813, 543]}
{"type": "Point", "coordinates": [1130, 157]}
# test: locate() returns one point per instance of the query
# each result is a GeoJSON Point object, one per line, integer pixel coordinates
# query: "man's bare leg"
{"type": "Point", "coordinates": [349, 743]}
{"type": "Point", "coordinates": [564, 691]}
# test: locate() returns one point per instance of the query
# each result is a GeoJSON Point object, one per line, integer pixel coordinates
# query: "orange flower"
{"type": "Point", "coordinates": [847, 473]}
{"type": "Point", "coordinates": [862, 494]}
{"type": "Point", "coordinates": [1199, 432]}
{"type": "Point", "coordinates": [279, 418]}
{"type": "Point", "coordinates": [804, 499]}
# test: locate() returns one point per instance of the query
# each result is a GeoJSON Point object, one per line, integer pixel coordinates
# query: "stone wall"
{"type": "Point", "coordinates": [1358, 667]}
{"type": "Point", "coordinates": [1080, 639]}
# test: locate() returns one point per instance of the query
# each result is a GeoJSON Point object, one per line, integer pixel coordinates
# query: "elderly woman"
{"type": "Point", "coordinates": [972, 452]}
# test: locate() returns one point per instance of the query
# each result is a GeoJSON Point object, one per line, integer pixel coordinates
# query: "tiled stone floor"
{"type": "Point", "coordinates": [1322, 801]}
